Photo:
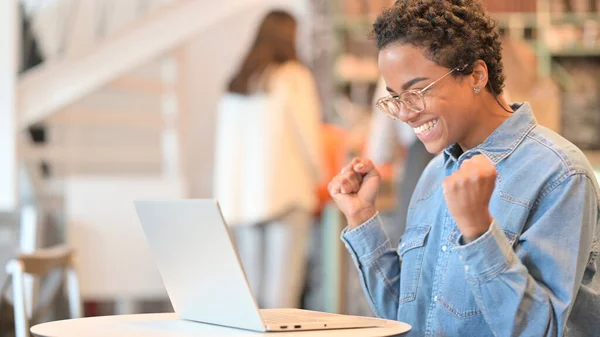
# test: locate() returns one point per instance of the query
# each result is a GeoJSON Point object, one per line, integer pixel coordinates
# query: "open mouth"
{"type": "Point", "coordinates": [426, 127]}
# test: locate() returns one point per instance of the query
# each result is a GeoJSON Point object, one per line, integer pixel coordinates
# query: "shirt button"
{"type": "Point", "coordinates": [467, 268]}
{"type": "Point", "coordinates": [460, 257]}
{"type": "Point", "coordinates": [444, 248]}
{"type": "Point", "coordinates": [435, 299]}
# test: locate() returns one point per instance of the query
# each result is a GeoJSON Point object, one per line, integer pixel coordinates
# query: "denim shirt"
{"type": "Point", "coordinates": [533, 273]}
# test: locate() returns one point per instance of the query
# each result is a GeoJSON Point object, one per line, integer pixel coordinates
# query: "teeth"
{"type": "Point", "coordinates": [425, 127]}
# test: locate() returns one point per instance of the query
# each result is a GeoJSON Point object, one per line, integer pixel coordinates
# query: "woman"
{"type": "Point", "coordinates": [502, 232]}
{"type": "Point", "coordinates": [268, 162]}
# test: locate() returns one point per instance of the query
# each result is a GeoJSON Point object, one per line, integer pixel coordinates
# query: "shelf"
{"type": "Point", "coordinates": [561, 75]}
{"type": "Point", "coordinates": [576, 52]}
{"type": "Point", "coordinates": [512, 20]}
{"type": "Point", "coordinates": [529, 20]}
{"type": "Point", "coordinates": [504, 19]}
{"type": "Point", "coordinates": [342, 81]}
{"type": "Point", "coordinates": [359, 22]}
{"type": "Point", "coordinates": [516, 24]}
{"type": "Point", "coordinates": [574, 18]}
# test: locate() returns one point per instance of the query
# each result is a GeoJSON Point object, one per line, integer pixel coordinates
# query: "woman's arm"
{"type": "Point", "coordinates": [530, 291]}
{"type": "Point", "coordinates": [378, 266]}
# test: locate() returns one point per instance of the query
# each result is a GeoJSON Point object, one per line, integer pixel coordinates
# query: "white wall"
{"type": "Point", "coordinates": [113, 258]}
{"type": "Point", "coordinates": [8, 70]}
{"type": "Point", "coordinates": [213, 58]}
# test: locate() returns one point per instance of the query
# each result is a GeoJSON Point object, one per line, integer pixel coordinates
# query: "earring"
{"type": "Point", "coordinates": [476, 90]}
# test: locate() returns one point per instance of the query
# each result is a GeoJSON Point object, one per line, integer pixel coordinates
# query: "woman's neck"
{"type": "Point", "coordinates": [491, 114]}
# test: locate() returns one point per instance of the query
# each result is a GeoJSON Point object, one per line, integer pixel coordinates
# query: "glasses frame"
{"type": "Point", "coordinates": [399, 100]}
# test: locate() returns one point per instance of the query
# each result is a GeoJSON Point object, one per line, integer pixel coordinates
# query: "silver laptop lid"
{"type": "Point", "coordinates": [198, 264]}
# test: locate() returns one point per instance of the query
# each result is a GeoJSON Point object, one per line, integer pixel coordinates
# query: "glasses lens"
{"type": "Point", "coordinates": [390, 107]}
{"type": "Point", "coordinates": [413, 101]}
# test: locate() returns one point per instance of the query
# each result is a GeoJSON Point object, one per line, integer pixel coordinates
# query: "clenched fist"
{"type": "Point", "coordinates": [468, 192]}
{"type": "Point", "coordinates": [354, 190]}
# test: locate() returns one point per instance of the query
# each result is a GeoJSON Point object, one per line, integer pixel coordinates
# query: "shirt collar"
{"type": "Point", "coordinates": [504, 140]}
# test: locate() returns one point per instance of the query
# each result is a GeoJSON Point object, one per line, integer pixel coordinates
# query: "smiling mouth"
{"type": "Point", "coordinates": [423, 129]}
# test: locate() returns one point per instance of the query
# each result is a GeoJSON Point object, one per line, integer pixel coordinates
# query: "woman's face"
{"type": "Point", "coordinates": [449, 112]}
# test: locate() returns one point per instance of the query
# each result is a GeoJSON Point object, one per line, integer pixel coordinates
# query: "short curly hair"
{"type": "Point", "coordinates": [452, 32]}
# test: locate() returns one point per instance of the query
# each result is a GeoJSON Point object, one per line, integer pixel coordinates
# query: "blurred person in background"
{"type": "Point", "coordinates": [503, 228]}
{"type": "Point", "coordinates": [386, 135]}
{"type": "Point", "coordinates": [269, 162]}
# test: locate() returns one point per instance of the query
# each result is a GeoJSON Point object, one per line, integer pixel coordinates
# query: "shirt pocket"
{"type": "Point", "coordinates": [411, 251]}
{"type": "Point", "coordinates": [456, 295]}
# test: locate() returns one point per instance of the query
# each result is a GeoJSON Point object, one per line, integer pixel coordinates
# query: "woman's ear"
{"type": "Point", "coordinates": [479, 77]}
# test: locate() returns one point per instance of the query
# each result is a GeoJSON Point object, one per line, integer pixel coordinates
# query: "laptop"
{"type": "Point", "coordinates": [205, 281]}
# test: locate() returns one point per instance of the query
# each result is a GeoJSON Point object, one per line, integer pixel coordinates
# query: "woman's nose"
{"type": "Point", "coordinates": [406, 114]}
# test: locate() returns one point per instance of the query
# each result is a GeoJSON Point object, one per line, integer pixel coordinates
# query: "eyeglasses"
{"type": "Point", "coordinates": [412, 99]}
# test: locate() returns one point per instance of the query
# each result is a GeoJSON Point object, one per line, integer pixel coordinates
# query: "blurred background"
{"type": "Point", "coordinates": [106, 101]}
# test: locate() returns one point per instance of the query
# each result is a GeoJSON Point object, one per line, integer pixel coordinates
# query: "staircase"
{"type": "Point", "coordinates": [109, 108]}
{"type": "Point", "coordinates": [110, 100]}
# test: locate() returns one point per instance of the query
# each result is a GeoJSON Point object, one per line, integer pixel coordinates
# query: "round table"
{"type": "Point", "coordinates": [159, 325]}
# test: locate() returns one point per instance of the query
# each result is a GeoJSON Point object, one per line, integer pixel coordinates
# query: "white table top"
{"type": "Point", "coordinates": [158, 325]}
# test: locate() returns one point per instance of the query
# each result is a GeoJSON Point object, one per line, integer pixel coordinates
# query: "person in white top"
{"type": "Point", "coordinates": [269, 162]}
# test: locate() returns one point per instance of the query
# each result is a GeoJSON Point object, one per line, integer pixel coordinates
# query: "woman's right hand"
{"type": "Point", "coordinates": [354, 190]}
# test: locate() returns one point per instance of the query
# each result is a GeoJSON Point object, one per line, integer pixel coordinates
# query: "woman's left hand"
{"type": "Point", "coordinates": [468, 192]}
